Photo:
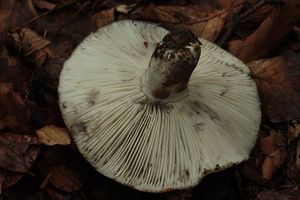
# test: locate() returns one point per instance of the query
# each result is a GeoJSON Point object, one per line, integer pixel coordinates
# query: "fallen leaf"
{"type": "Point", "coordinates": [210, 29]}
{"type": "Point", "coordinates": [270, 195]}
{"type": "Point", "coordinates": [279, 86]}
{"type": "Point", "coordinates": [17, 153]}
{"type": "Point", "coordinates": [272, 142]}
{"type": "Point", "coordinates": [202, 23]}
{"type": "Point", "coordinates": [52, 135]}
{"type": "Point", "coordinates": [104, 17]}
{"type": "Point", "coordinates": [273, 162]}
{"type": "Point", "coordinates": [293, 166]}
{"type": "Point", "coordinates": [294, 128]}
{"type": "Point", "coordinates": [13, 13]}
{"type": "Point", "coordinates": [13, 111]}
{"type": "Point", "coordinates": [64, 178]}
{"type": "Point", "coordinates": [290, 193]}
{"type": "Point", "coordinates": [269, 35]}
{"type": "Point", "coordinates": [44, 4]}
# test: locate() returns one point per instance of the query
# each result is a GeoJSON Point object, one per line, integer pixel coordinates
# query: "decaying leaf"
{"type": "Point", "coordinates": [294, 150]}
{"type": "Point", "coordinates": [17, 153]}
{"type": "Point", "coordinates": [44, 4]}
{"type": "Point", "coordinates": [64, 178]}
{"type": "Point", "coordinates": [38, 51]}
{"type": "Point", "coordinates": [272, 162]}
{"type": "Point", "coordinates": [278, 84]}
{"type": "Point", "coordinates": [272, 142]}
{"type": "Point", "coordinates": [291, 193]}
{"type": "Point", "coordinates": [14, 113]}
{"type": "Point", "coordinates": [273, 146]}
{"type": "Point", "coordinates": [269, 35]}
{"type": "Point", "coordinates": [104, 17]}
{"type": "Point", "coordinates": [202, 23]}
{"type": "Point", "coordinates": [52, 135]}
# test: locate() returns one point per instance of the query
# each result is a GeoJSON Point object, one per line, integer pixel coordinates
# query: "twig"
{"type": "Point", "coordinates": [237, 20]}
{"type": "Point", "coordinates": [44, 14]}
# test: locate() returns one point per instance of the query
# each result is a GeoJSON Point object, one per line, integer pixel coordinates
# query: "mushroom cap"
{"type": "Point", "coordinates": [150, 145]}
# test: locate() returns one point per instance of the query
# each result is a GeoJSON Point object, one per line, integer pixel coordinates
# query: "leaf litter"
{"type": "Point", "coordinates": [38, 159]}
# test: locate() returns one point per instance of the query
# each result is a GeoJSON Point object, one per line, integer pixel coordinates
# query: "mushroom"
{"type": "Point", "coordinates": [144, 110]}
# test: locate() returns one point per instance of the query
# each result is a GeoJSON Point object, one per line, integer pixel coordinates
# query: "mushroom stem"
{"type": "Point", "coordinates": [171, 65]}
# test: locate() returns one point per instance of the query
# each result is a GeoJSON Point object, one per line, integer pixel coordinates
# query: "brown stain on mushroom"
{"type": "Point", "coordinates": [92, 96]}
{"type": "Point", "coordinates": [79, 128]}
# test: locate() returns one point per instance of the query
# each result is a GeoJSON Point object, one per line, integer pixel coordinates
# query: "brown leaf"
{"type": "Point", "coordinates": [13, 111]}
{"type": "Point", "coordinates": [291, 193]}
{"type": "Point", "coordinates": [269, 35]}
{"type": "Point", "coordinates": [294, 150]}
{"type": "Point", "coordinates": [65, 178]}
{"type": "Point", "coordinates": [52, 135]}
{"type": "Point", "coordinates": [272, 162]}
{"type": "Point", "coordinates": [17, 154]}
{"type": "Point", "coordinates": [13, 148]}
{"type": "Point", "coordinates": [294, 128]}
{"type": "Point", "coordinates": [202, 23]}
{"type": "Point", "coordinates": [172, 14]}
{"type": "Point", "coordinates": [272, 142]}
{"type": "Point", "coordinates": [13, 13]}
{"type": "Point", "coordinates": [104, 17]}
{"type": "Point", "coordinates": [44, 4]}
{"type": "Point", "coordinates": [270, 195]}
{"type": "Point", "coordinates": [278, 84]}
{"type": "Point", "coordinates": [211, 28]}
{"type": "Point", "coordinates": [33, 47]}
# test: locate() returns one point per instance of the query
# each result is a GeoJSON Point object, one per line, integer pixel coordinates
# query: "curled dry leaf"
{"type": "Point", "coordinates": [278, 84]}
{"type": "Point", "coordinates": [52, 135]}
{"type": "Point", "coordinates": [269, 35]}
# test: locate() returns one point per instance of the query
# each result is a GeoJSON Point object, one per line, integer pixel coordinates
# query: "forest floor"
{"type": "Point", "coordinates": [38, 159]}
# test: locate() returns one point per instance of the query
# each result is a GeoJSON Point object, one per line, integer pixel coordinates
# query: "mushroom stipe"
{"type": "Point", "coordinates": [147, 110]}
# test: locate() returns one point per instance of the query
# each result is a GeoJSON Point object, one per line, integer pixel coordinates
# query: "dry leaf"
{"type": "Point", "coordinates": [104, 17]}
{"type": "Point", "coordinates": [278, 84]}
{"type": "Point", "coordinates": [52, 135]}
{"type": "Point", "coordinates": [294, 128]}
{"type": "Point", "coordinates": [193, 17]}
{"type": "Point", "coordinates": [291, 193]}
{"type": "Point", "coordinates": [13, 13]}
{"type": "Point", "coordinates": [44, 4]}
{"type": "Point", "coordinates": [211, 28]}
{"type": "Point", "coordinates": [65, 178]}
{"type": "Point", "coordinates": [272, 142]}
{"type": "Point", "coordinates": [14, 113]}
{"type": "Point", "coordinates": [294, 150]}
{"type": "Point", "coordinates": [272, 162]}
{"type": "Point", "coordinates": [269, 35]}
{"type": "Point", "coordinates": [17, 153]}
{"type": "Point", "coordinates": [171, 14]}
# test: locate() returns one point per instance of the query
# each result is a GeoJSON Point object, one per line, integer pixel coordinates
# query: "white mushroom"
{"type": "Point", "coordinates": [203, 122]}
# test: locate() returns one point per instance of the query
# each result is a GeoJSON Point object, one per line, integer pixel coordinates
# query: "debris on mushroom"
{"type": "Point", "coordinates": [147, 110]}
